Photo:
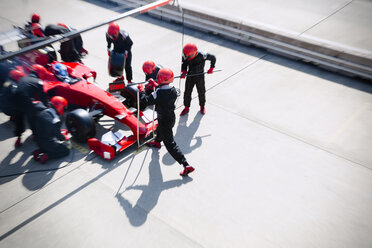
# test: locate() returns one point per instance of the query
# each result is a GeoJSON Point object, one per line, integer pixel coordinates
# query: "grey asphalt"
{"type": "Point", "coordinates": [282, 156]}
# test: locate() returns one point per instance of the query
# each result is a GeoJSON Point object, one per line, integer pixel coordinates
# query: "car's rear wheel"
{"type": "Point", "coordinates": [81, 125]}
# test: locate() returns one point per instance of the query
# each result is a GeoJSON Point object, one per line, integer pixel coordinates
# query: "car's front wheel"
{"type": "Point", "coordinates": [81, 125]}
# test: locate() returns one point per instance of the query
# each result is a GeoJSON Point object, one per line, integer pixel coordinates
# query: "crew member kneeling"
{"type": "Point", "coordinates": [48, 131]}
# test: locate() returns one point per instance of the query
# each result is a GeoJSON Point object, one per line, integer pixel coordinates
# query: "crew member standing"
{"type": "Point", "coordinates": [122, 45]}
{"type": "Point", "coordinates": [164, 98]}
{"type": "Point", "coordinates": [193, 62]}
{"type": "Point", "coordinates": [48, 131]}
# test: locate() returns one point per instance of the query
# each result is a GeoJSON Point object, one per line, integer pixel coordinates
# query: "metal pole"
{"type": "Point", "coordinates": [138, 110]}
{"type": "Point", "coordinates": [153, 121]}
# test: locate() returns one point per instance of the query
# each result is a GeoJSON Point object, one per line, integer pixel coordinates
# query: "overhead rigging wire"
{"type": "Point", "coordinates": [183, 38]}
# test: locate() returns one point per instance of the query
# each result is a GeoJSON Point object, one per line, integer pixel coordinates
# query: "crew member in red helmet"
{"type": "Point", "coordinates": [151, 72]}
{"type": "Point", "coordinates": [7, 93]}
{"type": "Point", "coordinates": [150, 69]}
{"type": "Point", "coordinates": [29, 90]}
{"type": "Point", "coordinates": [193, 62]}
{"type": "Point", "coordinates": [35, 18]}
{"type": "Point", "coordinates": [48, 131]}
{"type": "Point", "coordinates": [164, 98]}
{"type": "Point", "coordinates": [122, 45]}
{"type": "Point", "coordinates": [34, 27]}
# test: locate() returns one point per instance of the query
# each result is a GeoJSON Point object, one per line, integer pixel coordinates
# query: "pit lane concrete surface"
{"type": "Point", "coordinates": [282, 156]}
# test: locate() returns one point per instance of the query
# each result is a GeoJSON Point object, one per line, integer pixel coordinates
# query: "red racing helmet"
{"type": "Point", "coordinates": [35, 18]}
{"type": "Point", "coordinates": [148, 67]}
{"type": "Point", "coordinates": [59, 103]}
{"type": "Point", "coordinates": [36, 30]}
{"type": "Point", "coordinates": [39, 70]}
{"type": "Point", "coordinates": [165, 76]}
{"type": "Point", "coordinates": [62, 25]}
{"type": "Point", "coordinates": [113, 30]}
{"type": "Point", "coordinates": [16, 75]}
{"type": "Point", "coordinates": [189, 51]}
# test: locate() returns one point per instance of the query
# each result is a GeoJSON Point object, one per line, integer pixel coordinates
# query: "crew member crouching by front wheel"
{"type": "Point", "coordinates": [48, 132]}
{"type": "Point", "coordinates": [164, 98]}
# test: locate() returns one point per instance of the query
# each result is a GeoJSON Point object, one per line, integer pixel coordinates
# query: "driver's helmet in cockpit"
{"type": "Point", "coordinates": [61, 73]}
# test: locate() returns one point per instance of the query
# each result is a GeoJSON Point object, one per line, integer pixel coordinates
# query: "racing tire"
{"type": "Point", "coordinates": [81, 125]}
{"type": "Point", "coordinates": [116, 64]}
{"type": "Point", "coordinates": [130, 95]}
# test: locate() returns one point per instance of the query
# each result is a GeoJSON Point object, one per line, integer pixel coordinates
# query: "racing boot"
{"type": "Point", "coordinates": [185, 111]}
{"type": "Point", "coordinates": [154, 144]}
{"type": "Point", "coordinates": [84, 52]}
{"type": "Point", "coordinates": [119, 79]}
{"type": "Point", "coordinates": [202, 110]}
{"type": "Point", "coordinates": [18, 142]}
{"type": "Point", "coordinates": [36, 155]}
{"type": "Point", "coordinates": [43, 158]}
{"type": "Point", "coordinates": [187, 170]}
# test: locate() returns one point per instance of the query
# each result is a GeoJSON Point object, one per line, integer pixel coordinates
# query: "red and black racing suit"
{"type": "Point", "coordinates": [121, 44]}
{"type": "Point", "coordinates": [164, 98]}
{"type": "Point", "coordinates": [153, 74]}
{"type": "Point", "coordinates": [48, 131]}
{"type": "Point", "coordinates": [30, 88]}
{"type": "Point", "coordinates": [196, 66]}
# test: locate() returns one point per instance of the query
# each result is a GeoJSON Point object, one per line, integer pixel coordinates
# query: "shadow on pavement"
{"type": "Point", "coordinates": [8, 130]}
{"type": "Point", "coordinates": [35, 175]}
{"type": "Point", "coordinates": [138, 213]}
{"type": "Point", "coordinates": [45, 210]}
{"type": "Point", "coordinates": [184, 137]}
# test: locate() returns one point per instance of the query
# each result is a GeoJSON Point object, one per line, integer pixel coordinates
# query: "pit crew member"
{"type": "Point", "coordinates": [30, 89]}
{"type": "Point", "coordinates": [123, 45]}
{"type": "Point", "coordinates": [48, 132]}
{"type": "Point", "coordinates": [164, 98]}
{"type": "Point", "coordinates": [193, 62]}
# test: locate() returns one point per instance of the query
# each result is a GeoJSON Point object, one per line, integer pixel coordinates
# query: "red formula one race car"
{"type": "Point", "coordinates": [91, 103]}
